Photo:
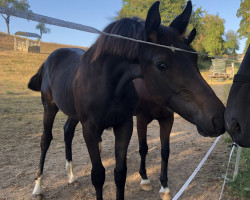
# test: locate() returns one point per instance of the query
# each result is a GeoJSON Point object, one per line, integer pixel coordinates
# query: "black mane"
{"type": "Point", "coordinates": [107, 45]}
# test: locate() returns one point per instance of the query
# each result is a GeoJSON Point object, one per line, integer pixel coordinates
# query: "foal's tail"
{"type": "Point", "coordinates": [36, 80]}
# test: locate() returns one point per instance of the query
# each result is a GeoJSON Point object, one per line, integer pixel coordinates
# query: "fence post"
{"type": "Point", "coordinates": [237, 162]}
{"type": "Point", "coordinates": [233, 68]}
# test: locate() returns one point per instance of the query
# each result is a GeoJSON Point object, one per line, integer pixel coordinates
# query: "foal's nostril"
{"type": "Point", "coordinates": [218, 125]}
{"type": "Point", "coordinates": [235, 126]}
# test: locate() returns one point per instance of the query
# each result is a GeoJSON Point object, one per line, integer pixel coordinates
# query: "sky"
{"type": "Point", "coordinates": [98, 14]}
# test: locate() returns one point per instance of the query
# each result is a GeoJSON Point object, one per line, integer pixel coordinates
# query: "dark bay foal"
{"type": "Point", "coordinates": [96, 89]}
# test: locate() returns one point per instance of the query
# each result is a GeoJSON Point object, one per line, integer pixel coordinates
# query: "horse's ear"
{"type": "Point", "coordinates": [180, 22]}
{"type": "Point", "coordinates": [153, 22]}
{"type": "Point", "coordinates": [191, 37]}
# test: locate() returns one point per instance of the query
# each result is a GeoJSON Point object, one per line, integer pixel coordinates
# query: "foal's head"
{"type": "Point", "coordinates": [172, 77]}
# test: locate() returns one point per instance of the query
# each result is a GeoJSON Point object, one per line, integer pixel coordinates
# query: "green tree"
{"type": "Point", "coordinates": [247, 44]}
{"type": "Point", "coordinates": [232, 42]}
{"type": "Point", "coordinates": [22, 5]}
{"type": "Point", "coordinates": [213, 42]}
{"type": "Point", "coordinates": [196, 22]}
{"type": "Point", "coordinates": [41, 27]}
{"type": "Point", "coordinates": [168, 9]}
{"type": "Point", "coordinates": [244, 13]}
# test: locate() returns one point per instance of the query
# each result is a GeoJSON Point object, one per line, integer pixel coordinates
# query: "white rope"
{"type": "Point", "coordinates": [225, 178]}
{"type": "Point", "coordinates": [57, 22]}
{"type": "Point", "coordinates": [196, 170]}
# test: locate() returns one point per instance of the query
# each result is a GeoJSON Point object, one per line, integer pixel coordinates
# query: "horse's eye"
{"type": "Point", "coordinates": [162, 67]}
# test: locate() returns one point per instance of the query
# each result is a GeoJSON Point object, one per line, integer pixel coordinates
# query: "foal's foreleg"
{"type": "Point", "coordinates": [69, 130]}
{"type": "Point", "coordinates": [50, 111]}
{"type": "Point", "coordinates": [142, 124]}
{"type": "Point", "coordinates": [165, 129]}
{"type": "Point", "coordinates": [91, 135]}
{"type": "Point", "coordinates": [123, 135]}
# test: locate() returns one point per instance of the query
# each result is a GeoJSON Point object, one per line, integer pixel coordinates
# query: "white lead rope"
{"type": "Point", "coordinates": [225, 178]}
{"type": "Point", "coordinates": [196, 170]}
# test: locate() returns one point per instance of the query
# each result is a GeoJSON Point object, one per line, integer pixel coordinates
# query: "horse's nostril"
{"type": "Point", "coordinates": [218, 125]}
{"type": "Point", "coordinates": [235, 126]}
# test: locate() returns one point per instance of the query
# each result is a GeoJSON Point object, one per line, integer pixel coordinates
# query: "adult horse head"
{"type": "Point", "coordinates": [172, 77]}
{"type": "Point", "coordinates": [237, 113]}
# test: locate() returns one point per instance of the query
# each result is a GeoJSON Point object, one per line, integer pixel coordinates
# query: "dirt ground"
{"type": "Point", "coordinates": [20, 152]}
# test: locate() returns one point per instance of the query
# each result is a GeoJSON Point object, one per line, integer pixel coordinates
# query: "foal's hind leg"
{"type": "Point", "coordinates": [50, 110]}
{"type": "Point", "coordinates": [165, 129]}
{"type": "Point", "coordinates": [142, 123]}
{"type": "Point", "coordinates": [69, 130]}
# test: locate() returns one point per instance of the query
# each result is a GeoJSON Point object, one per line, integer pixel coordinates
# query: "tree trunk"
{"type": "Point", "coordinates": [7, 21]}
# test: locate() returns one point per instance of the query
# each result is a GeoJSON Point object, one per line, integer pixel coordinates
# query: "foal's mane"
{"type": "Point", "coordinates": [107, 45]}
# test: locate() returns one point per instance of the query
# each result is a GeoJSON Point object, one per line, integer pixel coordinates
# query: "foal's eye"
{"type": "Point", "coordinates": [162, 67]}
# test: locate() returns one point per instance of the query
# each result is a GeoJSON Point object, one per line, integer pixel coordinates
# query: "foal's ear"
{"type": "Point", "coordinates": [191, 37]}
{"type": "Point", "coordinates": [180, 22]}
{"type": "Point", "coordinates": [153, 22]}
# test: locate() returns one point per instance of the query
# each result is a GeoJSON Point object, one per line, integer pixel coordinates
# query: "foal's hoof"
{"type": "Point", "coordinates": [146, 185]}
{"type": "Point", "coordinates": [72, 180]}
{"type": "Point", "coordinates": [75, 184]}
{"type": "Point", "coordinates": [38, 188]}
{"type": "Point", "coordinates": [165, 193]}
{"type": "Point", "coordinates": [37, 197]}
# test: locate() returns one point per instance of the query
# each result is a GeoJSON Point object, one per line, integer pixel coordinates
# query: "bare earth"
{"type": "Point", "coordinates": [20, 152]}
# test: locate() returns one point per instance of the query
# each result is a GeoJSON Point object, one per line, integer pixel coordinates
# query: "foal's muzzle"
{"type": "Point", "coordinates": [215, 130]}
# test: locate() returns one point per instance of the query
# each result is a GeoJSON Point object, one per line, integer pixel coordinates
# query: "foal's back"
{"type": "Point", "coordinates": [59, 72]}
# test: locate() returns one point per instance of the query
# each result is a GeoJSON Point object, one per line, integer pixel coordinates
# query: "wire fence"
{"type": "Point", "coordinates": [66, 24]}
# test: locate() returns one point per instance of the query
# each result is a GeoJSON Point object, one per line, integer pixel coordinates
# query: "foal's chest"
{"type": "Point", "coordinates": [121, 108]}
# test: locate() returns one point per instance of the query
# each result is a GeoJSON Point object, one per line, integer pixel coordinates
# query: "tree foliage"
{"type": "Point", "coordinates": [244, 13]}
{"type": "Point", "coordinates": [197, 22]}
{"type": "Point", "coordinates": [42, 28]}
{"type": "Point", "coordinates": [232, 42]}
{"type": "Point", "coordinates": [209, 28]}
{"type": "Point", "coordinates": [213, 32]}
{"type": "Point", "coordinates": [168, 9]}
{"type": "Point", "coordinates": [22, 5]}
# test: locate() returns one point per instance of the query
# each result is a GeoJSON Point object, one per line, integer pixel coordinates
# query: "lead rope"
{"type": "Point", "coordinates": [196, 170]}
{"type": "Point", "coordinates": [225, 177]}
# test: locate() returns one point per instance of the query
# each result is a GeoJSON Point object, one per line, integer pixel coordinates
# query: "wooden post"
{"type": "Point", "coordinates": [233, 68]}
{"type": "Point", "coordinates": [237, 162]}
{"type": "Point", "coordinates": [15, 44]}
{"type": "Point", "coordinates": [27, 45]}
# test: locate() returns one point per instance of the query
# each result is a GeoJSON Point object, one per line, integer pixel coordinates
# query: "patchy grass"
{"type": "Point", "coordinates": [241, 185]}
